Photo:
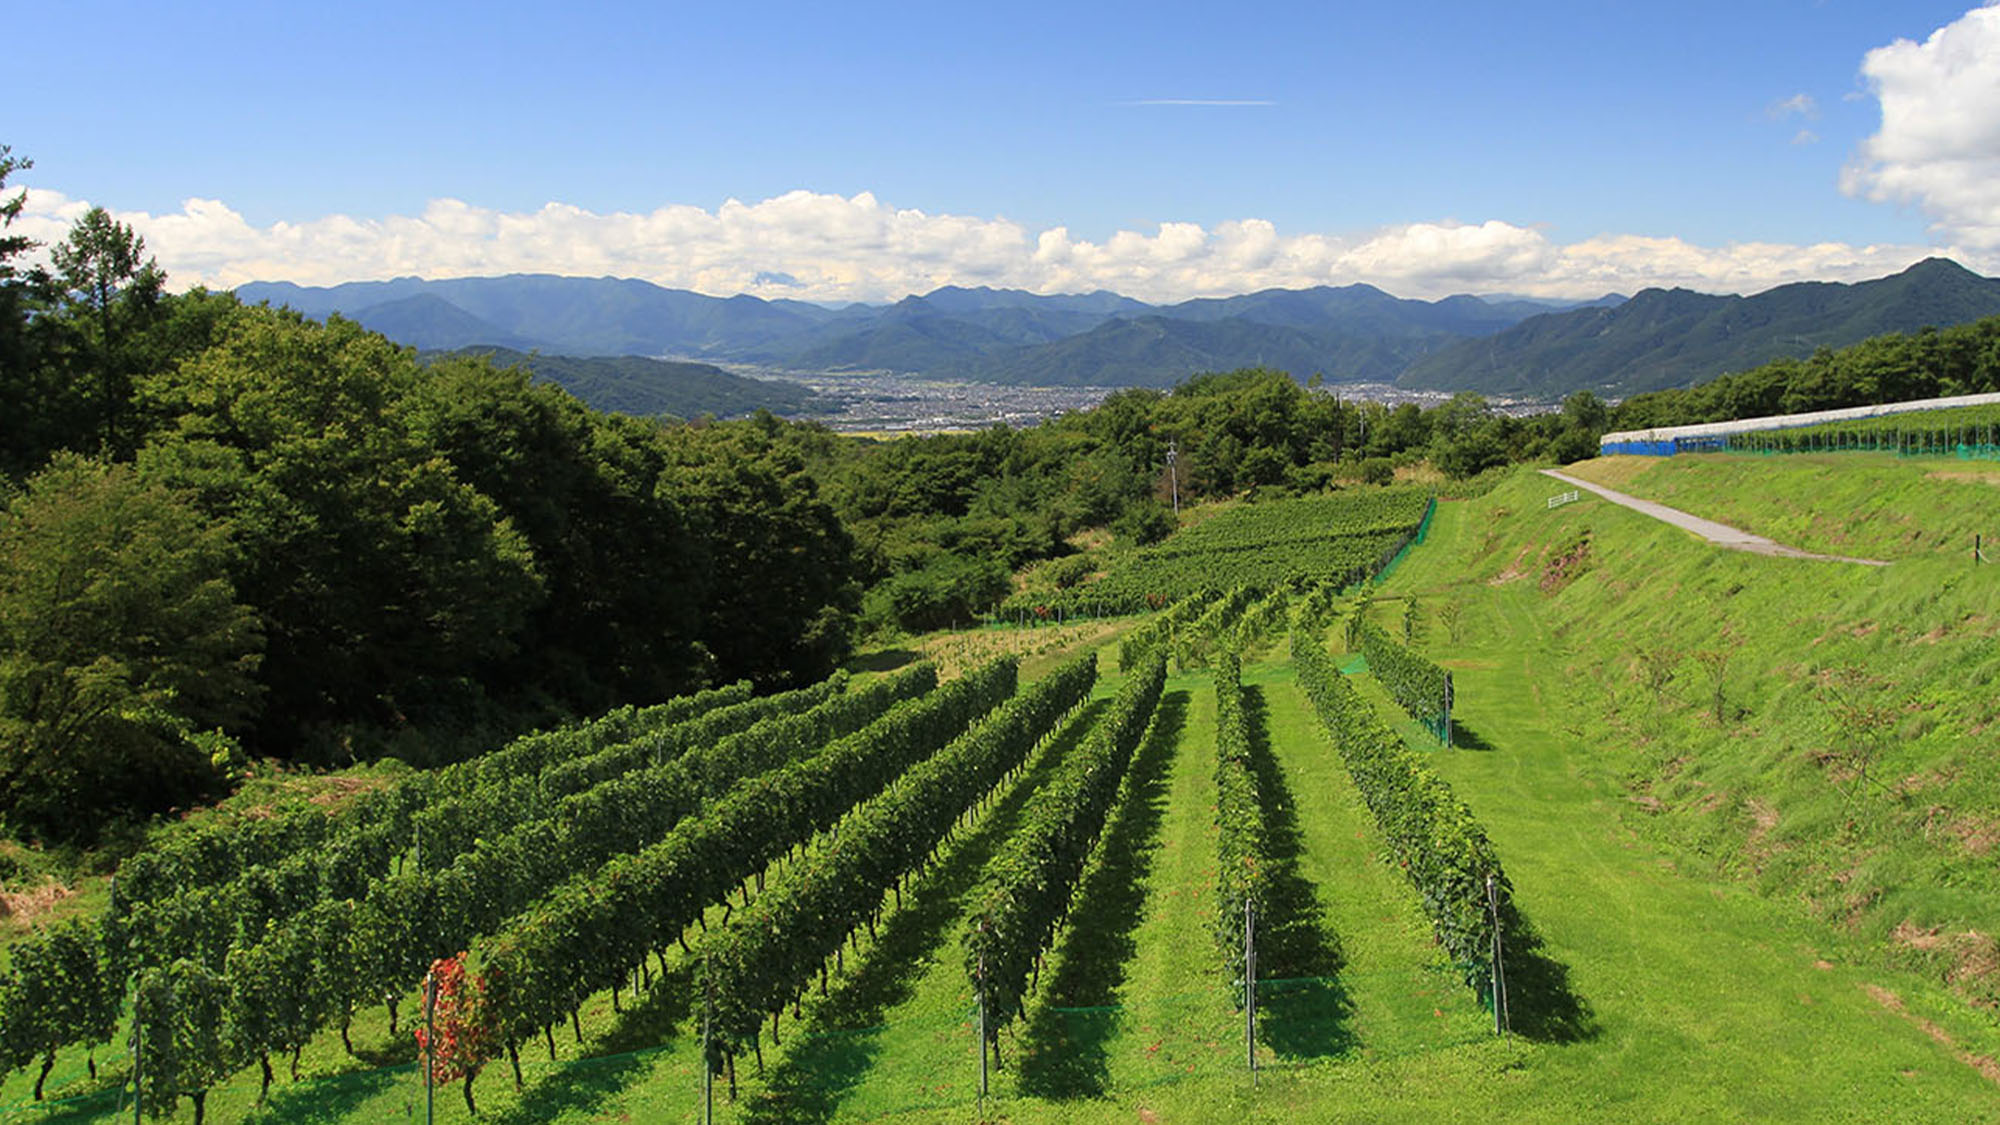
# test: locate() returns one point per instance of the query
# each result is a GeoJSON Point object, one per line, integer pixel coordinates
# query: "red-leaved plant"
{"type": "Point", "coordinates": [467, 1038]}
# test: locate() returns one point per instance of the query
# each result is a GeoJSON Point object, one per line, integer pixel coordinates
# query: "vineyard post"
{"type": "Point", "coordinates": [430, 1039]}
{"type": "Point", "coordinates": [137, 1097]}
{"type": "Point", "coordinates": [1499, 974]}
{"type": "Point", "coordinates": [1449, 711]}
{"type": "Point", "coordinates": [1250, 985]}
{"type": "Point", "coordinates": [707, 1032]}
{"type": "Point", "coordinates": [981, 994]}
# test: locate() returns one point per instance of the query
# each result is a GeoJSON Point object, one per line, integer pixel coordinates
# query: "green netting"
{"type": "Point", "coordinates": [1416, 538]}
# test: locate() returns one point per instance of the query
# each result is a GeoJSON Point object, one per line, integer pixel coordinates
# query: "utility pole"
{"type": "Point", "coordinates": [1174, 474]}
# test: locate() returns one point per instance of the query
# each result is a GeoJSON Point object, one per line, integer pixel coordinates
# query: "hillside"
{"type": "Point", "coordinates": [1730, 900]}
{"type": "Point", "coordinates": [1665, 338]}
{"type": "Point", "coordinates": [427, 321]}
{"type": "Point", "coordinates": [645, 387]}
{"type": "Point", "coordinates": [571, 315]}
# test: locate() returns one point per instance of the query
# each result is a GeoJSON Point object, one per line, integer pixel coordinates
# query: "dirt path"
{"type": "Point", "coordinates": [1721, 534]}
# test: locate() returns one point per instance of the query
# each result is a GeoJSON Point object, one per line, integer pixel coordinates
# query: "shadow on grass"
{"type": "Point", "coordinates": [616, 1059]}
{"type": "Point", "coordinates": [1305, 1009]}
{"type": "Point", "coordinates": [1063, 1056]}
{"type": "Point", "coordinates": [1464, 737]}
{"type": "Point", "coordinates": [1541, 1005]}
{"type": "Point", "coordinates": [831, 1054]}
{"type": "Point", "coordinates": [78, 1109]}
{"type": "Point", "coordinates": [656, 1019]}
{"type": "Point", "coordinates": [887, 660]}
{"type": "Point", "coordinates": [577, 1087]}
{"type": "Point", "coordinates": [339, 1097]}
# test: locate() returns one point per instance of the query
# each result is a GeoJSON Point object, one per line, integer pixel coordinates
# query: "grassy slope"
{"type": "Point", "coordinates": [1772, 792]}
{"type": "Point", "coordinates": [1871, 504]}
{"type": "Point", "coordinates": [1694, 940]}
{"type": "Point", "coordinates": [1662, 908]}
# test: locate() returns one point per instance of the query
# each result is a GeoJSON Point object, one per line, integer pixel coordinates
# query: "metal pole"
{"type": "Point", "coordinates": [1250, 985]}
{"type": "Point", "coordinates": [430, 1044]}
{"type": "Point", "coordinates": [1499, 974]}
{"type": "Point", "coordinates": [707, 1068]}
{"type": "Point", "coordinates": [982, 1030]}
{"type": "Point", "coordinates": [137, 1097]}
{"type": "Point", "coordinates": [1174, 474]}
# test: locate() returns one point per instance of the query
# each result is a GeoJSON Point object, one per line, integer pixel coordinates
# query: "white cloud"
{"type": "Point", "coordinates": [1805, 137]}
{"type": "Point", "coordinates": [1228, 102]}
{"type": "Point", "coordinates": [835, 248]}
{"type": "Point", "coordinates": [1801, 104]}
{"type": "Point", "coordinates": [1939, 143]}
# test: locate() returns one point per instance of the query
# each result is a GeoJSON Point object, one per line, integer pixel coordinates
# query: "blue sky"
{"type": "Point", "coordinates": [328, 134]}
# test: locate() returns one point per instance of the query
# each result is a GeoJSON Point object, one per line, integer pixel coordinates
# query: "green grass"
{"type": "Point", "coordinates": [1874, 505]}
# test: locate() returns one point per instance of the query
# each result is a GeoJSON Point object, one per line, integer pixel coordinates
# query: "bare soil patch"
{"type": "Point", "coordinates": [25, 907]}
{"type": "Point", "coordinates": [1893, 1002]}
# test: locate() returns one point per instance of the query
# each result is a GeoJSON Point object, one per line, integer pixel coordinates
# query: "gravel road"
{"type": "Point", "coordinates": [1720, 534]}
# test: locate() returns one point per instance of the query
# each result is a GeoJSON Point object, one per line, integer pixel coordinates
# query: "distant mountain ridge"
{"type": "Point", "coordinates": [1664, 338]}
{"type": "Point", "coordinates": [645, 387]}
{"type": "Point", "coordinates": [1347, 333]}
{"type": "Point", "coordinates": [1522, 347]}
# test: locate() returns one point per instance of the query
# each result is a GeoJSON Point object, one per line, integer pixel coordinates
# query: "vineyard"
{"type": "Point", "coordinates": [1969, 431]}
{"type": "Point", "coordinates": [1227, 851]}
{"type": "Point", "coordinates": [1339, 539]}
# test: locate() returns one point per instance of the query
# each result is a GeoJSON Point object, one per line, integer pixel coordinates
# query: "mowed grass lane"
{"type": "Point", "coordinates": [1135, 1016]}
{"type": "Point", "coordinates": [1703, 1000]}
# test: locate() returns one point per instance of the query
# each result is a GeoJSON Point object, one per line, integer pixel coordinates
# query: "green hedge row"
{"type": "Point", "coordinates": [1422, 688]}
{"type": "Point", "coordinates": [1433, 835]}
{"type": "Point", "coordinates": [768, 955]}
{"type": "Point", "coordinates": [1027, 887]}
{"type": "Point", "coordinates": [1242, 844]}
{"type": "Point", "coordinates": [591, 932]}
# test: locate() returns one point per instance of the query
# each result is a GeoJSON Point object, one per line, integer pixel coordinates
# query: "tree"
{"type": "Point", "coordinates": [26, 401]}
{"type": "Point", "coordinates": [1860, 726]}
{"type": "Point", "coordinates": [617, 556]}
{"type": "Point", "coordinates": [1451, 614]}
{"type": "Point", "coordinates": [779, 594]}
{"type": "Point", "coordinates": [121, 642]}
{"type": "Point", "coordinates": [1715, 661]}
{"type": "Point", "coordinates": [386, 583]}
{"type": "Point", "coordinates": [12, 245]}
{"type": "Point", "coordinates": [1585, 411]}
{"type": "Point", "coordinates": [102, 268]}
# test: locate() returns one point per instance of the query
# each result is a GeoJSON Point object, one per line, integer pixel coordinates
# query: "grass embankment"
{"type": "Point", "coordinates": [1874, 505]}
{"type": "Point", "coordinates": [1734, 897]}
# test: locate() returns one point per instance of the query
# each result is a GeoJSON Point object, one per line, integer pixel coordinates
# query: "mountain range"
{"type": "Point", "coordinates": [1665, 338]}
{"type": "Point", "coordinates": [646, 387]}
{"type": "Point", "coordinates": [1504, 346]}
